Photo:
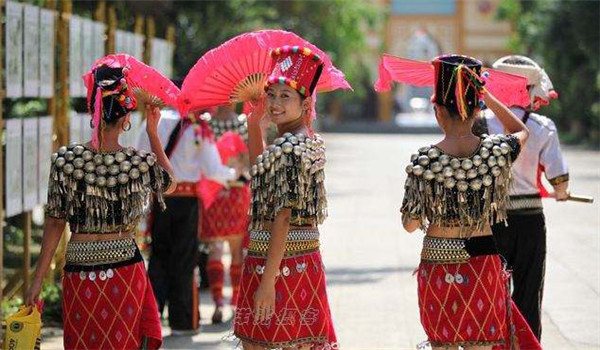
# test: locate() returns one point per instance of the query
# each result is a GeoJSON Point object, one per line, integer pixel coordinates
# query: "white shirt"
{"type": "Point", "coordinates": [190, 162]}
{"type": "Point", "coordinates": [542, 148]}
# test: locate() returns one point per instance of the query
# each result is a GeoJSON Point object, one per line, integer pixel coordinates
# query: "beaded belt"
{"type": "Point", "coordinates": [100, 252]}
{"type": "Point", "coordinates": [444, 250]}
{"type": "Point", "coordinates": [298, 242]}
{"type": "Point", "coordinates": [455, 250]}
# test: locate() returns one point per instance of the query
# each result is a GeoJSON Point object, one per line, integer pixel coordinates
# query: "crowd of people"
{"type": "Point", "coordinates": [212, 177]}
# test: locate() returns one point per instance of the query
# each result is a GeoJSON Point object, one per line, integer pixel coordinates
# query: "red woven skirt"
{"type": "Point", "coordinates": [469, 304]}
{"type": "Point", "coordinates": [114, 313]}
{"type": "Point", "coordinates": [302, 315]}
{"type": "Point", "coordinates": [227, 216]}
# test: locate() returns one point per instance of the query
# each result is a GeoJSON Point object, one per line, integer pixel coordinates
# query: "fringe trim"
{"type": "Point", "coordinates": [68, 195]}
{"type": "Point", "coordinates": [429, 199]}
{"type": "Point", "coordinates": [289, 174]}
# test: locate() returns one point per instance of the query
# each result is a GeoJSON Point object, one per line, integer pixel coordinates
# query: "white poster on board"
{"type": "Point", "coordinates": [13, 167]}
{"type": "Point", "coordinates": [45, 125]}
{"type": "Point", "coordinates": [46, 53]}
{"type": "Point", "coordinates": [75, 58]}
{"type": "Point", "coordinates": [14, 49]}
{"type": "Point", "coordinates": [138, 46]}
{"type": "Point", "coordinates": [120, 41]}
{"type": "Point", "coordinates": [99, 32]}
{"type": "Point", "coordinates": [86, 129]}
{"type": "Point", "coordinates": [156, 59]}
{"type": "Point", "coordinates": [31, 54]}
{"type": "Point", "coordinates": [75, 134]}
{"type": "Point", "coordinates": [30, 163]}
{"type": "Point", "coordinates": [87, 43]}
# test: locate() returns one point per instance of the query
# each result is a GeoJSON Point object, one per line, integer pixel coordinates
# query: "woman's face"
{"type": "Point", "coordinates": [284, 104]}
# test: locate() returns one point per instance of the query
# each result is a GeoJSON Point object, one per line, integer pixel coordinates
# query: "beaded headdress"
{"type": "Point", "coordinates": [295, 66]}
{"type": "Point", "coordinates": [458, 85]}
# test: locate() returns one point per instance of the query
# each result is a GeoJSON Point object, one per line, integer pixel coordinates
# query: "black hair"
{"type": "Point", "coordinates": [108, 79]}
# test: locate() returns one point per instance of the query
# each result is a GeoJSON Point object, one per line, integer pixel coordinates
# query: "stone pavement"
{"type": "Point", "coordinates": [370, 258]}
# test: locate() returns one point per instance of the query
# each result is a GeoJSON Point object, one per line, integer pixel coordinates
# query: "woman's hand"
{"type": "Point", "coordinates": [264, 300]}
{"type": "Point", "coordinates": [33, 295]}
{"type": "Point", "coordinates": [152, 118]}
{"type": "Point", "coordinates": [259, 111]}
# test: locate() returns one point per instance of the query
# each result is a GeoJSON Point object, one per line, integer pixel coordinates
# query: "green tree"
{"type": "Point", "coordinates": [563, 36]}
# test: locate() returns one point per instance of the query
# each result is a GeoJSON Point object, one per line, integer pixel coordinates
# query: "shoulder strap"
{"type": "Point", "coordinates": [175, 135]}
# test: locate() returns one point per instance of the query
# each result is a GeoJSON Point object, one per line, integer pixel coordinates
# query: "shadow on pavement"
{"type": "Point", "coordinates": [349, 275]}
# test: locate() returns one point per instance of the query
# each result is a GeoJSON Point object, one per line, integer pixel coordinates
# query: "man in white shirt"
{"type": "Point", "coordinates": [523, 241]}
{"type": "Point", "coordinates": [193, 154]}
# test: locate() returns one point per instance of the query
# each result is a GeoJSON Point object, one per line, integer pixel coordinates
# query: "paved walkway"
{"type": "Point", "coordinates": [370, 258]}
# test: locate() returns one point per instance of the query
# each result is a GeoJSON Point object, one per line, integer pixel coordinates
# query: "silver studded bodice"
{"type": "Point", "coordinates": [290, 174]}
{"type": "Point", "coordinates": [238, 125]}
{"type": "Point", "coordinates": [103, 192]}
{"type": "Point", "coordinates": [445, 190]}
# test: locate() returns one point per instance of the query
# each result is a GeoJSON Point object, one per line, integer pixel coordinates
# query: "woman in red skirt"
{"type": "Point", "coordinates": [225, 219]}
{"type": "Point", "coordinates": [454, 191]}
{"type": "Point", "coordinates": [283, 300]}
{"type": "Point", "coordinates": [100, 189]}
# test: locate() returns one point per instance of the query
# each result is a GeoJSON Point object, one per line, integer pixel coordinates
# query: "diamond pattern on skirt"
{"type": "Point", "coordinates": [302, 313]}
{"type": "Point", "coordinates": [109, 314]}
{"type": "Point", "coordinates": [464, 312]}
{"type": "Point", "coordinates": [227, 216]}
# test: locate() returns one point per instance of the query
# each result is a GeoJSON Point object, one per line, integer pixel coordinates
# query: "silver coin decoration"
{"type": "Point", "coordinates": [487, 180]}
{"type": "Point", "coordinates": [433, 153]}
{"type": "Point", "coordinates": [501, 161]}
{"type": "Point", "coordinates": [477, 160]}
{"type": "Point", "coordinates": [472, 173]}
{"type": "Point", "coordinates": [90, 178]}
{"type": "Point", "coordinates": [101, 181]}
{"type": "Point", "coordinates": [467, 164]}
{"type": "Point", "coordinates": [151, 159]}
{"type": "Point", "coordinates": [449, 183]}
{"type": "Point", "coordinates": [109, 159]}
{"type": "Point", "coordinates": [123, 178]}
{"type": "Point", "coordinates": [62, 150]}
{"type": "Point", "coordinates": [414, 157]}
{"type": "Point", "coordinates": [120, 156]}
{"type": "Point", "coordinates": [423, 160]}
{"type": "Point", "coordinates": [436, 167]}
{"type": "Point", "coordinates": [78, 174]}
{"type": "Point", "coordinates": [483, 169]}
{"type": "Point", "coordinates": [78, 150]}
{"type": "Point", "coordinates": [287, 147]}
{"type": "Point", "coordinates": [136, 160]}
{"type": "Point", "coordinates": [111, 181]}
{"type": "Point", "coordinates": [101, 170]}
{"type": "Point", "coordinates": [444, 159]}
{"type": "Point", "coordinates": [428, 174]}
{"type": "Point", "coordinates": [491, 161]}
{"type": "Point", "coordinates": [125, 166]}
{"type": "Point", "coordinates": [409, 169]}
{"type": "Point", "coordinates": [78, 163]}
{"type": "Point", "coordinates": [69, 156]}
{"type": "Point", "coordinates": [462, 186]}
{"type": "Point", "coordinates": [89, 167]}
{"type": "Point", "coordinates": [113, 169]}
{"type": "Point", "coordinates": [134, 174]}
{"type": "Point", "coordinates": [484, 153]}
{"type": "Point", "coordinates": [418, 170]}
{"type": "Point", "coordinates": [460, 174]}
{"type": "Point", "coordinates": [496, 171]}
{"type": "Point", "coordinates": [497, 151]}
{"type": "Point", "coordinates": [60, 162]}
{"type": "Point", "coordinates": [68, 168]}
{"type": "Point", "coordinates": [455, 163]}
{"type": "Point", "coordinates": [98, 159]}
{"type": "Point", "coordinates": [448, 172]}
{"type": "Point", "coordinates": [87, 155]}
{"type": "Point", "coordinates": [53, 157]}
{"type": "Point", "coordinates": [505, 148]}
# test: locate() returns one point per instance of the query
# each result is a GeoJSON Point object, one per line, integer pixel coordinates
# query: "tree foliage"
{"type": "Point", "coordinates": [563, 37]}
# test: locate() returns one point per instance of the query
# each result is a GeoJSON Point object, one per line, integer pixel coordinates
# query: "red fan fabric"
{"type": "Point", "coordinates": [213, 79]}
{"type": "Point", "coordinates": [231, 144]}
{"type": "Point", "coordinates": [116, 313]}
{"type": "Point", "coordinates": [137, 75]}
{"type": "Point", "coordinates": [510, 89]}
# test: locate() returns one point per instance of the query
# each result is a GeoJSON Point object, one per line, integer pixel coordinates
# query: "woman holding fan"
{"type": "Point", "coordinates": [454, 191]}
{"type": "Point", "coordinates": [100, 188]}
{"type": "Point", "coordinates": [282, 302]}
